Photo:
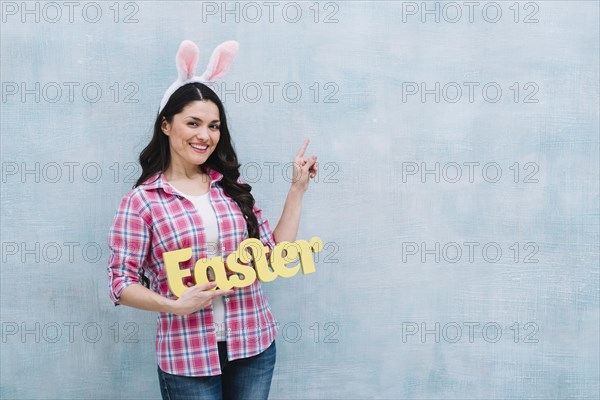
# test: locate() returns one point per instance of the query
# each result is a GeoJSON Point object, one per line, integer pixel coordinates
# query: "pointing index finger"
{"type": "Point", "coordinates": [303, 148]}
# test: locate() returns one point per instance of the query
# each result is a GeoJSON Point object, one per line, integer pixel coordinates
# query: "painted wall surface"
{"type": "Point", "coordinates": [458, 190]}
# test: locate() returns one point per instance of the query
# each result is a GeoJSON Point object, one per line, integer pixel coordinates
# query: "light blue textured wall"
{"type": "Point", "coordinates": [380, 317]}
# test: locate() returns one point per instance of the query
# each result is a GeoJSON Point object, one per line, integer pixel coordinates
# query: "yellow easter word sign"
{"type": "Point", "coordinates": [235, 263]}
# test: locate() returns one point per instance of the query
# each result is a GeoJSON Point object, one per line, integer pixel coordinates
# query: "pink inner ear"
{"type": "Point", "coordinates": [223, 58]}
{"type": "Point", "coordinates": [187, 58]}
{"type": "Point", "coordinates": [223, 62]}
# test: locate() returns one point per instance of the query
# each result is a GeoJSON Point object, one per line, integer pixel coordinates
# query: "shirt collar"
{"type": "Point", "coordinates": [158, 180]}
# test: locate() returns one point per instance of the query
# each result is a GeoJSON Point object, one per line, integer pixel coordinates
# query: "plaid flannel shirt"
{"type": "Point", "coordinates": [152, 219]}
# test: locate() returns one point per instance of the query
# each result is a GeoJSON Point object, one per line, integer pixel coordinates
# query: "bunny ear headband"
{"type": "Point", "coordinates": [187, 59]}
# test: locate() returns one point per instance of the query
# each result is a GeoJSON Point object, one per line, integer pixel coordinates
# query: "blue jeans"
{"type": "Point", "coordinates": [241, 379]}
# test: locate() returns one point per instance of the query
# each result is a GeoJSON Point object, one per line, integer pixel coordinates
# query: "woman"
{"type": "Point", "coordinates": [210, 344]}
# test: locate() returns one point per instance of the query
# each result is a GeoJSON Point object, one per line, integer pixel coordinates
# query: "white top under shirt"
{"type": "Point", "coordinates": [211, 231]}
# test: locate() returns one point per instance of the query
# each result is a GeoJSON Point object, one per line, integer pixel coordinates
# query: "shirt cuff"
{"type": "Point", "coordinates": [118, 284]}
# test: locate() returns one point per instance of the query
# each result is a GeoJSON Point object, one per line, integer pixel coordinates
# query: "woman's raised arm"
{"type": "Point", "coordinates": [304, 169]}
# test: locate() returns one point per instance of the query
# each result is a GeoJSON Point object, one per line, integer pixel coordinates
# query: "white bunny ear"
{"type": "Point", "coordinates": [220, 60]}
{"type": "Point", "coordinates": [187, 59]}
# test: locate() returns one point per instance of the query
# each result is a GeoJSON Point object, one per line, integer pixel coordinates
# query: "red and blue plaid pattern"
{"type": "Point", "coordinates": [152, 219]}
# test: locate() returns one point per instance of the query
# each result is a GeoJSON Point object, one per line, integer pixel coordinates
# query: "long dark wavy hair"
{"type": "Point", "coordinates": [157, 155]}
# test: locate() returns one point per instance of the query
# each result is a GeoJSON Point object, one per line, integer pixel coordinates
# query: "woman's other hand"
{"type": "Point", "coordinates": [304, 169]}
{"type": "Point", "coordinates": [197, 297]}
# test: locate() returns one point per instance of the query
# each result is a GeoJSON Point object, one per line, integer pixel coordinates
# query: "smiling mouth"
{"type": "Point", "coordinates": [199, 148]}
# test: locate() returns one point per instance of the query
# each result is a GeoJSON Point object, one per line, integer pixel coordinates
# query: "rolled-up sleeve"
{"type": "Point", "coordinates": [264, 229]}
{"type": "Point", "coordinates": [129, 242]}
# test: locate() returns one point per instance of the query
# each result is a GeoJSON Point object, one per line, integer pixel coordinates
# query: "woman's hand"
{"type": "Point", "coordinates": [197, 297]}
{"type": "Point", "coordinates": [304, 169]}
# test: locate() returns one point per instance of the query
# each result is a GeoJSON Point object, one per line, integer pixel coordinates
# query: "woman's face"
{"type": "Point", "coordinates": [193, 134]}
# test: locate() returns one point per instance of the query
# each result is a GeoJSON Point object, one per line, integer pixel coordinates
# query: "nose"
{"type": "Point", "coordinates": [202, 133]}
